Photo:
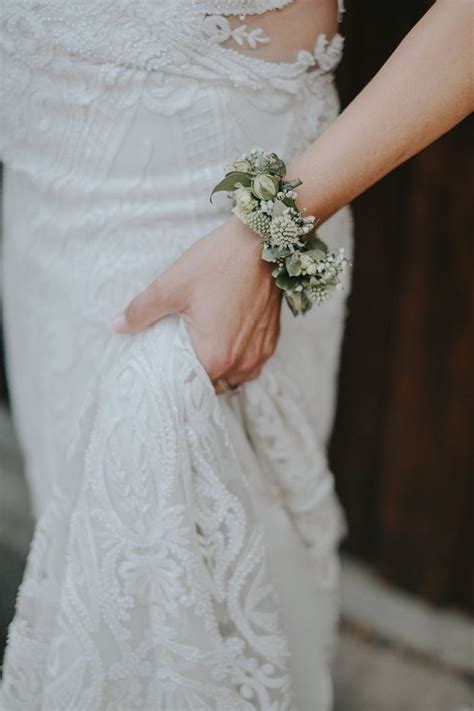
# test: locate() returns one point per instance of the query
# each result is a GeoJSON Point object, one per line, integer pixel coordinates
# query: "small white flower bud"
{"type": "Point", "coordinates": [240, 166]}
{"type": "Point", "coordinates": [265, 186]}
{"type": "Point", "coordinates": [244, 200]}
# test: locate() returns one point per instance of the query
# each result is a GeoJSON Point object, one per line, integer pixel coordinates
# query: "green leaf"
{"type": "Point", "coordinates": [269, 254]}
{"type": "Point", "coordinates": [315, 243]}
{"type": "Point", "coordinates": [289, 202]}
{"type": "Point", "coordinates": [278, 208]}
{"type": "Point", "coordinates": [293, 264]}
{"type": "Point", "coordinates": [292, 184]}
{"type": "Point", "coordinates": [284, 281]}
{"type": "Point", "coordinates": [230, 181]}
{"type": "Point", "coordinates": [296, 303]}
{"type": "Point", "coordinates": [273, 254]}
{"type": "Point", "coordinates": [293, 267]}
{"type": "Point", "coordinates": [282, 253]}
{"type": "Point", "coordinates": [278, 166]}
{"type": "Point", "coordinates": [315, 253]}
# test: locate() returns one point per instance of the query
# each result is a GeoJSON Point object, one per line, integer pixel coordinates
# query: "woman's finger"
{"type": "Point", "coordinates": [237, 378]}
{"type": "Point", "coordinates": [252, 357]}
{"type": "Point", "coordinates": [160, 298]}
{"type": "Point", "coordinates": [271, 339]}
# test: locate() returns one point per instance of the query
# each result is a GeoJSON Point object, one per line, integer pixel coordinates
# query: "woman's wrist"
{"type": "Point", "coordinates": [320, 190]}
{"type": "Point", "coordinates": [265, 200]}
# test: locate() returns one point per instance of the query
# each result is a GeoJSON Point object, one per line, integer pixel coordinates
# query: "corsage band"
{"type": "Point", "coordinates": [305, 269]}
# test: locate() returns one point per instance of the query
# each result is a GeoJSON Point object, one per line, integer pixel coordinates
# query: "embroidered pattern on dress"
{"type": "Point", "coordinates": [135, 572]}
{"type": "Point", "coordinates": [219, 29]}
{"type": "Point", "coordinates": [242, 7]}
{"type": "Point", "coordinates": [147, 583]}
{"type": "Point", "coordinates": [171, 36]}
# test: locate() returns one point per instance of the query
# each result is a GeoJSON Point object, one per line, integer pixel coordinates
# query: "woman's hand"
{"type": "Point", "coordinates": [227, 297]}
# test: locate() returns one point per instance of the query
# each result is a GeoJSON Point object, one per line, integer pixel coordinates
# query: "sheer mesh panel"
{"type": "Point", "coordinates": [273, 30]}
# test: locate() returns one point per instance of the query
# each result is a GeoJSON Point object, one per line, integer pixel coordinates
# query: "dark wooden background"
{"type": "Point", "coordinates": [402, 445]}
{"type": "Point", "coordinates": [402, 448]}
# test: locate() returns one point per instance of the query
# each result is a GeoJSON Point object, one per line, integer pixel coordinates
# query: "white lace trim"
{"type": "Point", "coordinates": [219, 29]}
{"type": "Point", "coordinates": [178, 38]}
{"type": "Point", "coordinates": [241, 7]}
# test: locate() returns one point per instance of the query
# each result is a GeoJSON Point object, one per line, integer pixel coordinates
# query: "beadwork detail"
{"type": "Point", "coordinates": [164, 36]}
{"type": "Point", "coordinates": [150, 583]}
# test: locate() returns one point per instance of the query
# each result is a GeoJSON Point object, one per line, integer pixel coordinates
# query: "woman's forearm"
{"type": "Point", "coordinates": [423, 90]}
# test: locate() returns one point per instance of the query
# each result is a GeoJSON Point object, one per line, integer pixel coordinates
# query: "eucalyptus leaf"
{"type": "Point", "coordinates": [230, 181]}
{"type": "Point", "coordinates": [269, 254]}
{"type": "Point", "coordinates": [284, 281]}
{"type": "Point", "coordinates": [315, 243]}
{"type": "Point", "coordinates": [293, 265]}
{"type": "Point", "coordinates": [278, 208]}
{"type": "Point", "coordinates": [316, 253]}
{"type": "Point", "coordinates": [281, 253]}
{"type": "Point", "coordinates": [293, 270]}
{"type": "Point", "coordinates": [296, 303]}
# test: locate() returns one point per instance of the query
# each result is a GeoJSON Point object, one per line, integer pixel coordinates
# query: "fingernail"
{"type": "Point", "coordinates": [119, 323]}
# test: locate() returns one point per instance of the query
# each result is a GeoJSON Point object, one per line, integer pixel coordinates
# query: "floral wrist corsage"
{"type": "Point", "coordinates": [304, 269]}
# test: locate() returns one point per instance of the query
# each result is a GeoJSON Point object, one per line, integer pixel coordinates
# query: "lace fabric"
{"type": "Point", "coordinates": [184, 36]}
{"type": "Point", "coordinates": [185, 551]}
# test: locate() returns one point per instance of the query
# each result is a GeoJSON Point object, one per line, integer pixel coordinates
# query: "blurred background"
{"type": "Point", "coordinates": [402, 448]}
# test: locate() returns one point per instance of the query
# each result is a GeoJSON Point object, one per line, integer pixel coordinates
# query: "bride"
{"type": "Point", "coordinates": [184, 556]}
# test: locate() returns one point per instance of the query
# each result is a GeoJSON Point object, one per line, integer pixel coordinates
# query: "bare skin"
{"type": "Point", "coordinates": [423, 90]}
{"type": "Point", "coordinates": [291, 29]}
{"type": "Point", "coordinates": [232, 334]}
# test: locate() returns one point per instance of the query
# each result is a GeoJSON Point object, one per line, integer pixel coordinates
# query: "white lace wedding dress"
{"type": "Point", "coordinates": [185, 551]}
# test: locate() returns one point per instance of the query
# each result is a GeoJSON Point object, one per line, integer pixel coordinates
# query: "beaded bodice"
{"type": "Point", "coordinates": [183, 35]}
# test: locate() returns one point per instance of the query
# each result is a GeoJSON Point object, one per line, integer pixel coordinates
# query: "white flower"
{"type": "Point", "coordinates": [244, 200]}
{"type": "Point", "coordinates": [259, 222]}
{"type": "Point", "coordinates": [240, 166]}
{"type": "Point", "coordinates": [266, 206]}
{"type": "Point", "coordinates": [308, 264]}
{"type": "Point", "coordinates": [265, 186]}
{"type": "Point", "coordinates": [283, 231]}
